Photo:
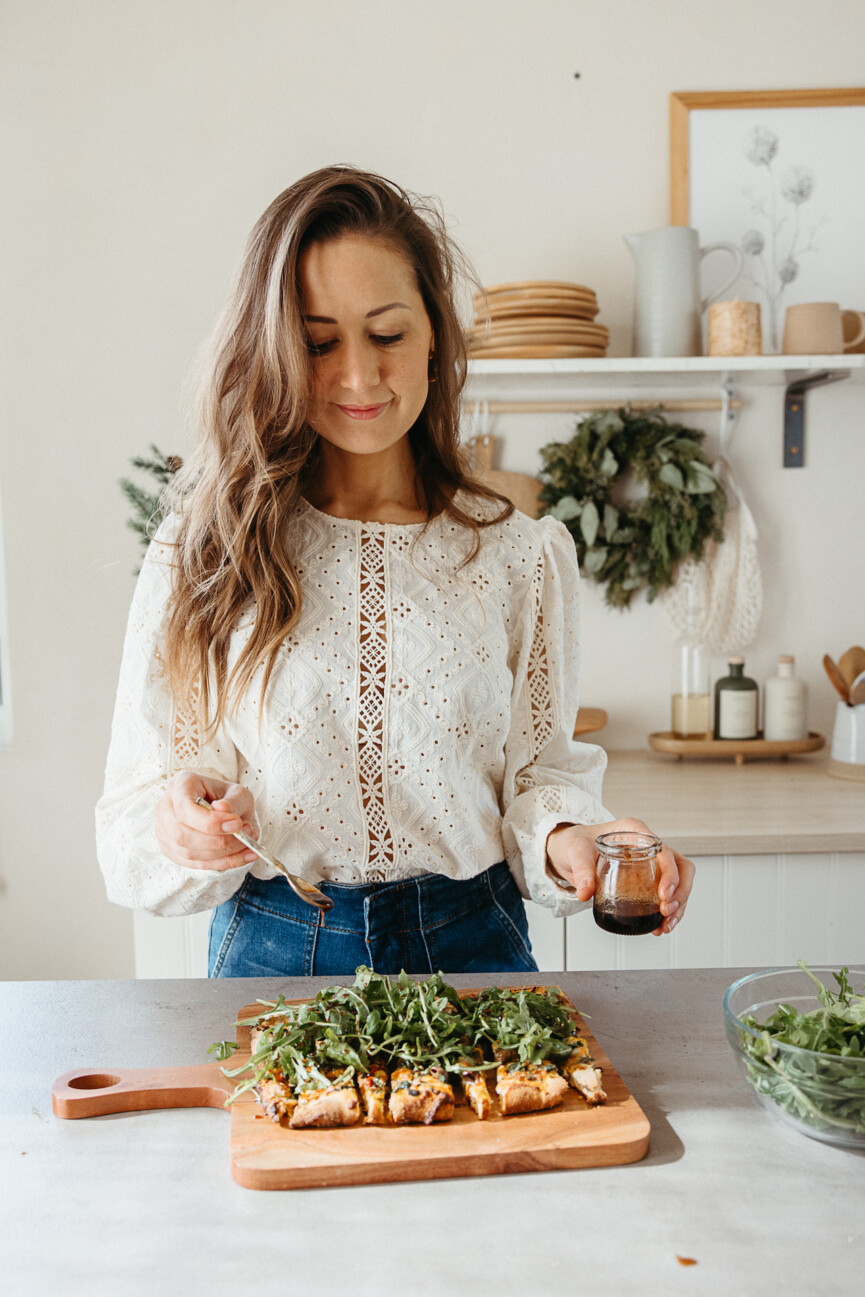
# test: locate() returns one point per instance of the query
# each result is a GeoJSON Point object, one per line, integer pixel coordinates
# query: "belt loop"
{"type": "Point", "coordinates": [312, 942]}
{"type": "Point", "coordinates": [419, 890]}
{"type": "Point", "coordinates": [366, 909]}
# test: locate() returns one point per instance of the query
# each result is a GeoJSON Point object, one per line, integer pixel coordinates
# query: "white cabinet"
{"type": "Point", "coordinates": [754, 911]}
{"type": "Point", "coordinates": [745, 910]}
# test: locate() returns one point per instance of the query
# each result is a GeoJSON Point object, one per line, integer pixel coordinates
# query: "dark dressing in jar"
{"type": "Point", "coordinates": [626, 900]}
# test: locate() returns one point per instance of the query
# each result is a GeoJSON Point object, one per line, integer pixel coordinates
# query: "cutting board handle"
{"type": "Point", "coordinates": [94, 1092]}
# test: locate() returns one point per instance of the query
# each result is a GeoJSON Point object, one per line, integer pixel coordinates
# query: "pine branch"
{"type": "Point", "coordinates": [147, 506]}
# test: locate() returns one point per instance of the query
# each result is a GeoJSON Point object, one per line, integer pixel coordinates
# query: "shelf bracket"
{"type": "Point", "coordinates": [794, 412]}
{"type": "Point", "coordinates": [729, 406]}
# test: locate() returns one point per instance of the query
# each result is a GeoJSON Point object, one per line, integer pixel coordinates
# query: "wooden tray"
{"type": "Point", "coordinates": [740, 749]}
{"type": "Point", "coordinates": [267, 1156]}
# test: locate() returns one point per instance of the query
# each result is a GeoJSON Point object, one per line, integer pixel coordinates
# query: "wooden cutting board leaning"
{"type": "Point", "coordinates": [264, 1155]}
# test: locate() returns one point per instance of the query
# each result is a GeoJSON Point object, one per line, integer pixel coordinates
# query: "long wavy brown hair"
{"type": "Point", "coordinates": [255, 449]}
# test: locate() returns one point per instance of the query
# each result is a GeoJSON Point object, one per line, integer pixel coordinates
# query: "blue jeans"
{"type": "Point", "coordinates": [421, 924]}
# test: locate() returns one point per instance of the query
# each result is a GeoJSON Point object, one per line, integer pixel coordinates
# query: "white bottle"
{"type": "Point", "coordinates": [786, 704]}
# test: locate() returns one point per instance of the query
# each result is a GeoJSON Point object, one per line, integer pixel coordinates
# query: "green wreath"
{"type": "Point", "coordinates": [633, 546]}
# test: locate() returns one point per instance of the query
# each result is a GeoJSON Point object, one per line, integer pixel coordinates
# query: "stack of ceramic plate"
{"type": "Point", "coordinates": [536, 318]}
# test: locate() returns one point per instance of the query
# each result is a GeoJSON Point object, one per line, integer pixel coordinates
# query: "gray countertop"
{"type": "Point", "coordinates": [144, 1203]}
{"type": "Point", "coordinates": [708, 806]}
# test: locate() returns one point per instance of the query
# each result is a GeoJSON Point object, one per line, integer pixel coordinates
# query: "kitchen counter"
{"type": "Point", "coordinates": [143, 1202]}
{"type": "Point", "coordinates": [709, 806]}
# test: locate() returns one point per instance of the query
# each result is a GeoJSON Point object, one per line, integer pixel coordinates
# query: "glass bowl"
{"type": "Point", "coordinates": [820, 1095]}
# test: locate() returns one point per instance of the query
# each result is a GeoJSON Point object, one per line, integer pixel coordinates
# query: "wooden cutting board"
{"type": "Point", "coordinates": [264, 1155]}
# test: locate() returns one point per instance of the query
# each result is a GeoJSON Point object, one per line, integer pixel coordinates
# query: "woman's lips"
{"type": "Point", "coordinates": [364, 411]}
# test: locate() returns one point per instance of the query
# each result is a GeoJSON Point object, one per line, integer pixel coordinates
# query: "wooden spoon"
{"type": "Point", "coordinates": [857, 690]}
{"type": "Point", "coordinates": [841, 686]}
{"type": "Point", "coordinates": [852, 663]}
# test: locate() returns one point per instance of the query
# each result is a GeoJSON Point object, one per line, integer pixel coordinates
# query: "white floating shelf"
{"type": "Point", "coordinates": [500, 377]}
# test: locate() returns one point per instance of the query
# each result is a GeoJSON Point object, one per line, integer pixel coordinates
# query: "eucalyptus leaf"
{"type": "Point", "coordinates": [611, 521]}
{"type": "Point", "coordinates": [609, 464]}
{"type": "Point", "coordinates": [594, 560]}
{"type": "Point", "coordinates": [566, 509]}
{"type": "Point", "coordinates": [670, 475]}
{"type": "Point", "coordinates": [700, 480]}
{"type": "Point", "coordinates": [589, 522]}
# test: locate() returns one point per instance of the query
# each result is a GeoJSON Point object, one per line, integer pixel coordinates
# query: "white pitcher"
{"type": "Point", "coordinates": [668, 307]}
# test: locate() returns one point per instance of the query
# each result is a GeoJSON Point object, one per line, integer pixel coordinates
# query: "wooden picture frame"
{"type": "Point", "coordinates": [683, 103]}
{"type": "Point", "coordinates": [785, 187]}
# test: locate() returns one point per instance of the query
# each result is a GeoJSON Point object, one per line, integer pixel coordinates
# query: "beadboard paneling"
{"type": "Point", "coordinates": [547, 936]}
{"type": "Point", "coordinates": [746, 911]}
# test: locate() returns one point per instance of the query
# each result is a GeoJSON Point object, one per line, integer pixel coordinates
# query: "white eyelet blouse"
{"type": "Point", "coordinates": [418, 720]}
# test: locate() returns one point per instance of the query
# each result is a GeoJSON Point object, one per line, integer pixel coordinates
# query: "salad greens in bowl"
{"type": "Point", "coordinates": [799, 1035]}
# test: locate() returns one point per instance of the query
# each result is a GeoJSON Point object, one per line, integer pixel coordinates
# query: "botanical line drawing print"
{"type": "Point", "coordinates": [775, 256]}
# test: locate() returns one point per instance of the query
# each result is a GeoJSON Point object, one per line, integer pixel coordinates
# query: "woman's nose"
{"type": "Point", "coordinates": [360, 367]}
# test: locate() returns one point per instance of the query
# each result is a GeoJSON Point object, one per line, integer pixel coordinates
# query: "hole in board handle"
{"type": "Point", "coordinates": [94, 1081]}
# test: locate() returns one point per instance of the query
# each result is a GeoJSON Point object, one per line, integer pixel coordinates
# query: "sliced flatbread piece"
{"type": "Point", "coordinates": [276, 1098]}
{"type": "Point", "coordinates": [581, 1073]}
{"type": "Point", "coordinates": [420, 1096]}
{"type": "Point", "coordinates": [526, 1087]}
{"type": "Point", "coordinates": [372, 1088]}
{"type": "Point", "coordinates": [474, 1083]}
{"type": "Point", "coordinates": [328, 1106]}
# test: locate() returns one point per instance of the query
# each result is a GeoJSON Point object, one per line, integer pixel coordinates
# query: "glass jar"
{"type": "Point", "coordinates": [626, 897]}
{"type": "Point", "coordinates": [691, 710]}
{"type": "Point", "coordinates": [691, 701]}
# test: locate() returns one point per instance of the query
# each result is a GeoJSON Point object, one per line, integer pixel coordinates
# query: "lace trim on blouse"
{"type": "Point", "coordinates": [373, 670]}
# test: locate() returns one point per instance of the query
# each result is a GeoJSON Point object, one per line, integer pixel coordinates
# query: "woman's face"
{"type": "Point", "coordinates": [370, 338]}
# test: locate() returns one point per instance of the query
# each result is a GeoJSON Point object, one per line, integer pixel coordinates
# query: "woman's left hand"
{"type": "Point", "coordinates": [573, 855]}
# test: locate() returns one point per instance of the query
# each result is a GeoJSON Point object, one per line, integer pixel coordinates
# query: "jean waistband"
{"type": "Point", "coordinates": [399, 898]}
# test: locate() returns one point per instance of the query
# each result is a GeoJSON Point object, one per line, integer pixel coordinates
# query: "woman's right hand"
{"type": "Point", "coordinates": [201, 838]}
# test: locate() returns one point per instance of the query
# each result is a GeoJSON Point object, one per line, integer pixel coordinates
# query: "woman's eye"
{"type": "Point", "coordinates": [380, 340]}
{"type": "Point", "coordinates": [318, 348]}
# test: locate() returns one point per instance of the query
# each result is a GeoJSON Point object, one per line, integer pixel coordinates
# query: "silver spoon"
{"type": "Point", "coordinates": [306, 891]}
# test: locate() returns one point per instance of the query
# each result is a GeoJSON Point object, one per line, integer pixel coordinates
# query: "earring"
{"type": "Point", "coordinates": [430, 378]}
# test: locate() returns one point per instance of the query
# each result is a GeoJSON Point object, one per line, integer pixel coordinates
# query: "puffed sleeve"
{"type": "Point", "coordinates": [152, 738]}
{"type": "Point", "coordinates": [549, 778]}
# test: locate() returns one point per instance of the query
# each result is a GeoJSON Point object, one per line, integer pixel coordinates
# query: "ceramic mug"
{"type": "Point", "coordinates": [813, 329]}
{"type": "Point", "coordinates": [848, 736]}
{"type": "Point", "coordinates": [853, 326]}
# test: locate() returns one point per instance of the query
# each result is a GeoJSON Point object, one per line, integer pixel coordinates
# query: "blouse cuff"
{"type": "Point", "coordinates": [526, 848]}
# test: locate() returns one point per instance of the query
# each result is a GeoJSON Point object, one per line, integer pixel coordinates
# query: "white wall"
{"type": "Point", "coordinates": [140, 141]}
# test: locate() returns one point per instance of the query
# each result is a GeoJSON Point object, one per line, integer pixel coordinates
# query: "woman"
{"type": "Point", "coordinates": [345, 643]}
